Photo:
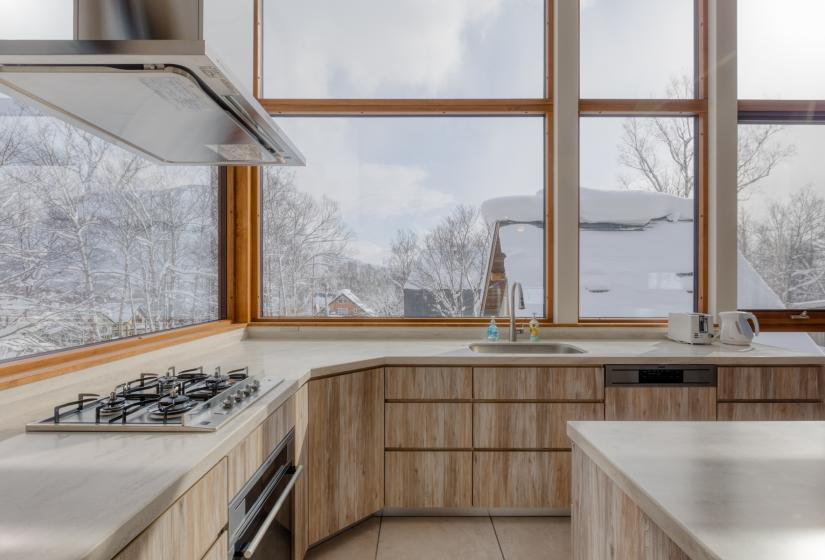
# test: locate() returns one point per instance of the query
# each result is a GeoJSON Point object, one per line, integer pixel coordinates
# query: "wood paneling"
{"type": "Point", "coordinates": [429, 383]}
{"type": "Point", "coordinates": [428, 425]}
{"type": "Point", "coordinates": [218, 550]}
{"type": "Point", "coordinates": [771, 411]}
{"type": "Point", "coordinates": [407, 106]}
{"type": "Point", "coordinates": [300, 536]}
{"type": "Point", "coordinates": [528, 425]}
{"type": "Point", "coordinates": [642, 107]}
{"type": "Point", "coordinates": [345, 440]}
{"type": "Point", "coordinates": [607, 525]}
{"type": "Point", "coordinates": [521, 479]}
{"type": "Point", "coordinates": [187, 530]}
{"type": "Point", "coordinates": [420, 479]}
{"type": "Point", "coordinates": [660, 403]}
{"type": "Point", "coordinates": [560, 383]}
{"type": "Point", "coordinates": [249, 454]}
{"type": "Point", "coordinates": [769, 383]}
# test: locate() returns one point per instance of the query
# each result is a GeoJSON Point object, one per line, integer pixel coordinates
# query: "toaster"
{"type": "Point", "coordinates": [690, 328]}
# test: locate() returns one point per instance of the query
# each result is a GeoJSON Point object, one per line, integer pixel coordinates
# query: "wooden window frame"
{"type": "Point", "coordinates": [808, 112]}
{"type": "Point", "coordinates": [698, 109]}
{"type": "Point", "coordinates": [251, 275]}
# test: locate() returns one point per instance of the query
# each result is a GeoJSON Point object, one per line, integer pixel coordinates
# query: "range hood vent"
{"type": "Point", "coordinates": [140, 73]}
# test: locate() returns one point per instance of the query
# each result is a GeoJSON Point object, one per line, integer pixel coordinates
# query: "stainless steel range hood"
{"type": "Point", "coordinates": [140, 73]}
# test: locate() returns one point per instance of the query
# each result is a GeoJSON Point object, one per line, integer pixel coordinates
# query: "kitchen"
{"type": "Point", "coordinates": [399, 280]}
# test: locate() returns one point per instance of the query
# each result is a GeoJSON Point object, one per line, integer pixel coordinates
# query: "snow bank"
{"type": "Point", "coordinates": [619, 207]}
{"type": "Point", "coordinates": [632, 208]}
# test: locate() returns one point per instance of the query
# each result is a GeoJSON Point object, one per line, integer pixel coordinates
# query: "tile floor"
{"type": "Point", "coordinates": [450, 538]}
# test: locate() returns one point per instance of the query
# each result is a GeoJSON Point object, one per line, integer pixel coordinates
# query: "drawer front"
{"type": "Point", "coordinates": [426, 383]}
{"type": "Point", "coordinates": [428, 425]}
{"type": "Point", "coordinates": [771, 411]}
{"type": "Point", "coordinates": [249, 454]}
{"type": "Point", "coordinates": [660, 403]}
{"type": "Point", "coordinates": [188, 529]}
{"type": "Point", "coordinates": [422, 479]}
{"type": "Point", "coordinates": [218, 550]}
{"type": "Point", "coordinates": [569, 383]}
{"type": "Point", "coordinates": [521, 479]}
{"type": "Point", "coordinates": [528, 425]}
{"type": "Point", "coordinates": [769, 383]}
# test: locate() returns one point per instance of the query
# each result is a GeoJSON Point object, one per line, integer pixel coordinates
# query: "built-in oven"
{"type": "Point", "coordinates": [261, 515]}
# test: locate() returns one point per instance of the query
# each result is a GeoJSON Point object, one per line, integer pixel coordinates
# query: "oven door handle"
{"type": "Point", "coordinates": [249, 551]}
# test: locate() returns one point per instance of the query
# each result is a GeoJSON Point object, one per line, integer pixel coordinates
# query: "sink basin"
{"type": "Point", "coordinates": [525, 348]}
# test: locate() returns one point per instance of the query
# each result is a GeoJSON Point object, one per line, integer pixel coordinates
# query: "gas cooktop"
{"type": "Point", "coordinates": [178, 401]}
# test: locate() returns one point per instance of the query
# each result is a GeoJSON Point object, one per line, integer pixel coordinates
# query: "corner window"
{"type": "Point", "coordinates": [96, 243]}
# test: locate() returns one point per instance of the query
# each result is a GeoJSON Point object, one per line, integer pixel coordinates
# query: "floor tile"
{"type": "Point", "coordinates": [358, 543]}
{"type": "Point", "coordinates": [527, 538]}
{"type": "Point", "coordinates": [438, 538]}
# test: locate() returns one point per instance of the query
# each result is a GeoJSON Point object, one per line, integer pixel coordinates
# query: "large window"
{"type": "Point", "coordinates": [96, 243]}
{"type": "Point", "coordinates": [640, 160]}
{"type": "Point", "coordinates": [424, 125]}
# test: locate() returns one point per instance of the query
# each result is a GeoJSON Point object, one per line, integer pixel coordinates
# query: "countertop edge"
{"type": "Point", "coordinates": [673, 528]}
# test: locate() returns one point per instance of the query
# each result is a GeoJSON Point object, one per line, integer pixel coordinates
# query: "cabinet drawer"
{"type": "Point", "coordinates": [249, 454]}
{"type": "Point", "coordinates": [218, 550]}
{"type": "Point", "coordinates": [528, 425]}
{"type": "Point", "coordinates": [769, 383]}
{"type": "Point", "coordinates": [541, 384]}
{"type": "Point", "coordinates": [521, 479]}
{"type": "Point", "coordinates": [419, 479]}
{"type": "Point", "coordinates": [429, 383]}
{"type": "Point", "coordinates": [428, 425]}
{"type": "Point", "coordinates": [660, 403]}
{"type": "Point", "coordinates": [187, 530]}
{"type": "Point", "coordinates": [771, 411]}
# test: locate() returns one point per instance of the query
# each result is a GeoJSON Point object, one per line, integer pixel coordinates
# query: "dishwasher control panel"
{"type": "Point", "coordinates": [664, 375]}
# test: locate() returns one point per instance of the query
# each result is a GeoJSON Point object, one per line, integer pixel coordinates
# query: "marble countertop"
{"type": "Point", "coordinates": [86, 495]}
{"type": "Point", "coordinates": [721, 491]}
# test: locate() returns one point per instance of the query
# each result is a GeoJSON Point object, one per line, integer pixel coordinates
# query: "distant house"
{"type": "Point", "coordinates": [120, 320]}
{"type": "Point", "coordinates": [344, 304]}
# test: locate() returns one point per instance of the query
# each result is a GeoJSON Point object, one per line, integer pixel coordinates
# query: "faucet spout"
{"type": "Point", "coordinates": [512, 308]}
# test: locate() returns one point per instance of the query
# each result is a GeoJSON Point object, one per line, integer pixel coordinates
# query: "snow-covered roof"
{"type": "Point", "coordinates": [354, 299]}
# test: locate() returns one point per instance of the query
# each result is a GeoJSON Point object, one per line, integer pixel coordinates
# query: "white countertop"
{"type": "Point", "coordinates": [720, 490]}
{"type": "Point", "coordinates": [86, 495]}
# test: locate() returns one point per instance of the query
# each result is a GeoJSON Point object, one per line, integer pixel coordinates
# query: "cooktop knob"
{"type": "Point", "coordinates": [228, 403]}
{"type": "Point", "coordinates": [237, 396]}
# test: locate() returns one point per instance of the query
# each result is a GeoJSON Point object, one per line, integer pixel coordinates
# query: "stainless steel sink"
{"type": "Point", "coordinates": [525, 348]}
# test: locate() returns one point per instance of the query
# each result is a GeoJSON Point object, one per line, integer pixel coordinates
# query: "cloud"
{"type": "Point", "coordinates": [369, 252]}
{"type": "Point", "coordinates": [387, 190]}
{"type": "Point", "coordinates": [366, 45]}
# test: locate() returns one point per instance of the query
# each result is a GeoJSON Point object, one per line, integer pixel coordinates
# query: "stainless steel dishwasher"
{"type": "Point", "coordinates": [660, 392]}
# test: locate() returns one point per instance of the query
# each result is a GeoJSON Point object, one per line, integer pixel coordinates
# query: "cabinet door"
{"type": "Point", "coordinates": [798, 383]}
{"type": "Point", "coordinates": [345, 463]}
{"type": "Point", "coordinates": [771, 411]}
{"type": "Point", "coordinates": [660, 403]}
{"type": "Point", "coordinates": [528, 425]}
{"type": "Point", "coordinates": [422, 479]}
{"type": "Point", "coordinates": [429, 425]}
{"type": "Point", "coordinates": [218, 550]}
{"type": "Point", "coordinates": [539, 384]}
{"type": "Point", "coordinates": [429, 383]}
{"type": "Point", "coordinates": [521, 479]}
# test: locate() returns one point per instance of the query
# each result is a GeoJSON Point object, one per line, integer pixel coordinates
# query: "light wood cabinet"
{"type": "Point", "coordinates": [521, 479]}
{"type": "Point", "coordinates": [770, 411]}
{"type": "Point", "coordinates": [429, 383]}
{"type": "Point", "coordinates": [424, 479]}
{"type": "Point", "coordinates": [246, 457]}
{"type": "Point", "coordinates": [660, 403]}
{"type": "Point", "coordinates": [300, 538]}
{"type": "Point", "coordinates": [769, 383]}
{"type": "Point", "coordinates": [345, 462]}
{"type": "Point", "coordinates": [428, 425]}
{"type": "Point", "coordinates": [541, 384]}
{"type": "Point", "coordinates": [219, 549]}
{"type": "Point", "coordinates": [528, 425]}
{"type": "Point", "coordinates": [188, 529]}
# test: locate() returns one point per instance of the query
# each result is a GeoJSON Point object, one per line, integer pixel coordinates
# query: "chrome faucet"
{"type": "Point", "coordinates": [512, 308]}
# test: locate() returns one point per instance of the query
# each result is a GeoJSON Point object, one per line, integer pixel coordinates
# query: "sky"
{"type": "Point", "coordinates": [405, 172]}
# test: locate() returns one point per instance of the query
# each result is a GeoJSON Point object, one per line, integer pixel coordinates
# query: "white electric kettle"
{"type": "Point", "coordinates": [735, 328]}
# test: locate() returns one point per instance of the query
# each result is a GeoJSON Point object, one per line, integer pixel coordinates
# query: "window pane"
{"type": "Point", "coordinates": [637, 217]}
{"type": "Point", "coordinates": [96, 243]}
{"type": "Point", "coordinates": [404, 49]}
{"type": "Point", "coordinates": [781, 48]}
{"type": "Point", "coordinates": [637, 49]}
{"type": "Point", "coordinates": [781, 217]}
{"type": "Point", "coordinates": [405, 217]}
{"type": "Point", "coordinates": [44, 19]}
